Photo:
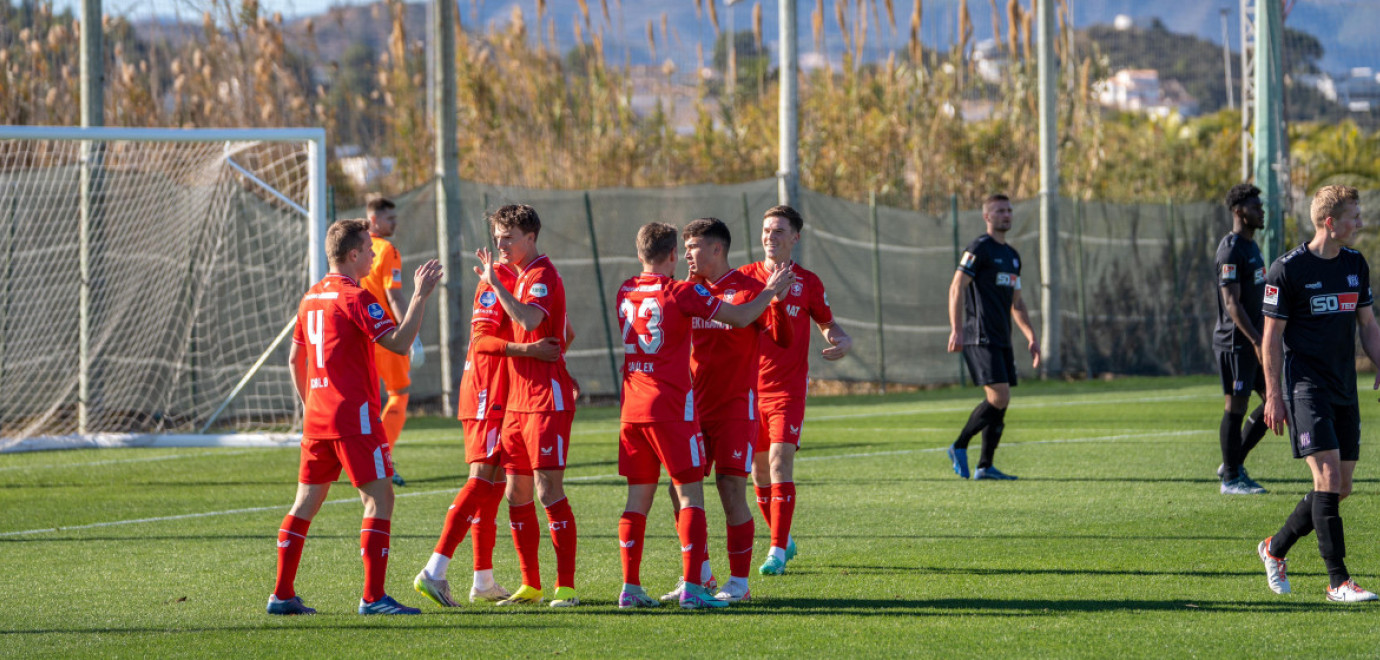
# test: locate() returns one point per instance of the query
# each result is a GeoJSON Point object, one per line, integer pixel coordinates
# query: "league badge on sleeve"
{"type": "Point", "coordinates": [699, 288]}
{"type": "Point", "coordinates": [538, 290]}
{"type": "Point", "coordinates": [375, 311]}
{"type": "Point", "coordinates": [488, 299]}
{"type": "Point", "coordinates": [1228, 272]}
{"type": "Point", "coordinates": [967, 260]}
{"type": "Point", "coordinates": [1271, 295]}
{"type": "Point", "coordinates": [397, 275]}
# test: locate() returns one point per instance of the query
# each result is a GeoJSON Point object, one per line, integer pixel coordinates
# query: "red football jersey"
{"type": "Point", "coordinates": [534, 385]}
{"type": "Point", "coordinates": [786, 371]}
{"type": "Point", "coordinates": [484, 385]}
{"type": "Point", "coordinates": [724, 359]}
{"type": "Point", "coordinates": [654, 312]}
{"type": "Point", "coordinates": [338, 322]}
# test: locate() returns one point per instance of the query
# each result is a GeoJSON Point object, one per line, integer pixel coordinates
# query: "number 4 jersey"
{"type": "Point", "coordinates": [1319, 299]}
{"type": "Point", "coordinates": [337, 324]}
{"type": "Point", "coordinates": [655, 314]}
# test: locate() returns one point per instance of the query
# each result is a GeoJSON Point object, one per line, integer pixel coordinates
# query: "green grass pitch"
{"type": "Point", "coordinates": [1115, 542]}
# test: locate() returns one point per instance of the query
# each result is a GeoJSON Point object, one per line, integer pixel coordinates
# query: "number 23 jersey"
{"type": "Point", "coordinates": [337, 324]}
{"type": "Point", "coordinates": [655, 312]}
{"type": "Point", "coordinates": [1319, 299]}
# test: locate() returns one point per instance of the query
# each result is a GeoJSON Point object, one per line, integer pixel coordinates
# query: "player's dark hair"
{"type": "Point", "coordinates": [995, 197]}
{"type": "Point", "coordinates": [379, 204]}
{"type": "Point", "coordinates": [712, 228]}
{"type": "Point", "coordinates": [791, 215]}
{"type": "Point", "coordinates": [655, 242]}
{"type": "Point", "coordinates": [516, 216]}
{"type": "Point", "coordinates": [343, 236]}
{"type": "Point", "coordinates": [1240, 194]}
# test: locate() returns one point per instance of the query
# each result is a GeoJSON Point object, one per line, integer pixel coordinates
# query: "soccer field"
{"type": "Point", "coordinates": [1114, 542]}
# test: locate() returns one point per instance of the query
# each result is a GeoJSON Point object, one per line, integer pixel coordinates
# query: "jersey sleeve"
{"type": "Point", "coordinates": [1228, 270]}
{"type": "Point", "coordinates": [392, 268]}
{"type": "Point", "coordinates": [1277, 302]}
{"type": "Point", "coordinates": [298, 332]}
{"type": "Point", "coordinates": [366, 312]}
{"type": "Point", "coordinates": [539, 290]}
{"type": "Point", "coordinates": [819, 303]}
{"type": "Point", "coordinates": [695, 300]}
{"type": "Point", "coordinates": [1365, 299]}
{"type": "Point", "coordinates": [972, 259]}
{"type": "Point", "coordinates": [486, 311]}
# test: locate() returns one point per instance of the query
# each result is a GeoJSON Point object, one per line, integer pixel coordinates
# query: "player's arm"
{"type": "Point", "coordinates": [839, 341]}
{"type": "Point", "coordinates": [1370, 338]}
{"type": "Point", "coordinates": [297, 366]}
{"type": "Point", "coordinates": [779, 325]}
{"type": "Point", "coordinates": [399, 340]}
{"type": "Point", "coordinates": [741, 316]}
{"type": "Point", "coordinates": [1272, 359]}
{"type": "Point", "coordinates": [396, 302]}
{"type": "Point", "coordinates": [527, 316]}
{"type": "Point", "coordinates": [1022, 317]}
{"type": "Point", "coordinates": [1231, 301]}
{"type": "Point", "coordinates": [547, 349]}
{"type": "Point", "coordinates": [961, 281]}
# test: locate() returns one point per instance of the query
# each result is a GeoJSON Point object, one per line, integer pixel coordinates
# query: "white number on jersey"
{"type": "Point", "coordinates": [650, 309]}
{"type": "Point", "coordinates": [316, 334]}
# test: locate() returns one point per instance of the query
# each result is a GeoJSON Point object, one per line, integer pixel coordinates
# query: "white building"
{"type": "Point", "coordinates": [1140, 90]}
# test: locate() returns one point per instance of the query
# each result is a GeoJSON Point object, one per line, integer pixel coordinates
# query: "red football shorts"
{"type": "Point", "coordinates": [535, 440]}
{"type": "Point", "coordinates": [365, 458]}
{"type": "Point", "coordinates": [782, 420]}
{"type": "Point", "coordinates": [729, 445]}
{"type": "Point", "coordinates": [644, 447]}
{"type": "Point", "coordinates": [482, 443]}
{"type": "Point", "coordinates": [394, 369]}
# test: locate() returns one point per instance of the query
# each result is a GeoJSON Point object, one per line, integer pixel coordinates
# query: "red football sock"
{"type": "Point", "coordinates": [484, 531]}
{"type": "Point", "coordinates": [693, 531]}
{"type": "Point", "coordinates": [764, 502]}
{"type": "Point", "coordinates": [292, 536]}
{"type": "Point", "coordinates": [527, 539]}
{"type": "Point", "coordinates": [782, 509]}
{"type": "Point", "coordinates": [373, 540]}
{"type": "Point", "coordinates": [561, 520]}
{"type": "Point", "coordinates": [461, 512]}
{"type": "Point", "coordinates": [632, 531]}
{"type": "Point", "coordinates": [740, 549]}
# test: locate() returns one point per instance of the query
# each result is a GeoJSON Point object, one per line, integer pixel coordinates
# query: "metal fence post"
{"type": "Point", "coordinates": [877, 287]}
{"type": "Point", "coordinates": [1082, 290]}
{"type": "Point", "coordinates": [603, 301]}
{"type": "Point", "coordinates": [747, 230]}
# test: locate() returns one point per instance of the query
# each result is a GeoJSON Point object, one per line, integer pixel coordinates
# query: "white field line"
{"type": "Point", "coordinates": [258, 509]}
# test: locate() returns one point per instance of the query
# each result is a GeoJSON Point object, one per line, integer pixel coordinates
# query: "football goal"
{"type": "Point", "coordinates": [149, 280]}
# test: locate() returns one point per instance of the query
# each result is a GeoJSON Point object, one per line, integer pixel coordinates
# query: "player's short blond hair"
{"type": "Point", "coordinates": [1331, 202]}
{"type": "Point", "coordinates": [655, 242]}
{"type": "Point", "coordinates": [343, 236]}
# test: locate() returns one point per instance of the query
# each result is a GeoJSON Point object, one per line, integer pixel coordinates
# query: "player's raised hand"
{"type": "Point", "coordinates": [1274, 413]}
{"type": "Point", "coordinates": [427, 277]}
{"type": "Point", "coordinates": [780, 280]}
{"type": "Point", "coordinates": [485, 270]}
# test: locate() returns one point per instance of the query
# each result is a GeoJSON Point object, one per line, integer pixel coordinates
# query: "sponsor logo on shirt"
{"type": "Point", "coordinates": [539, 290]}
{"type": "Point", "coordinates": [1009, 280]}
{"type": "Point", "coordinates": [375, 311]}
{"type": "Point", "coordinates": [488, 298]}
{"type": "Point", "coordinates": [1353, 280]}
{"type": "Point", "coordinates": [967, 260]}
{"type": "Point", "coordinates": [1314, 285]}
{"type": "Point", "coordinates": [1271, 295]}
{"type": "Point", "coordinates": [1333, 303]}
{"type": "Point", "coordinates": [697, 323]}
{"type": "Point", "coordinates": [792, 310]}
{"type": "Point", "coordinates": [1229, 272]}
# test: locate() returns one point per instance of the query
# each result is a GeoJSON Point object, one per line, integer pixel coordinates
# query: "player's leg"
{"type": "Point", "coordinates": [1254, 429]}
{"type": "Point", "coordinates": [782, 468]}
{"type": "Point", "coordinates": [693, 531]}
{"type": "Point", "coordinates": [522, 511]}
{"type": "Point", "coordinates": [292, 537]}
{"type": "Point", "coordinates": [738, 535]}
{"type": "Point", "coordinates": [432, 581]}
{"type": "Point", "coordinates": [1229, 441]}
{"type": "Point", "coordinates": [979, 362]}
{"type": "Point", "coordinates": [632, 534]}
{"type": "Point", "coordinates": [1333, 471]}
{"type": "Point", "coordinates": [1000, 378]}
{"type": "Point", "coordinates": [483, 536]}
{"type": "Point", "coordinates": [548, 440]}
{"type": "Point", "coordinates": [374, 533]}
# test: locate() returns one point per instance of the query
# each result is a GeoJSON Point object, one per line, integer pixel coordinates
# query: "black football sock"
{"type": "Point", "coordinates": [1229, 438]}
{"type": "Point", "coordinates": [1299, 525]}
{"type": "Point", "coordinates": [976, 422]}
{"type": "Point", "coordinates": [1253, 432]}
{"type": "Point", "coordinates": [1327, 519]}
{"type": "Point", "coordinates": [991, 436]}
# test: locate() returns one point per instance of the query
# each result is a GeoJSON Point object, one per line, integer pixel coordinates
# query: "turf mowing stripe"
{"type": "Point", "coordinates": [124, 460]}
{"type": "Point", "coordinates": [208, 514]}
{"type": "Point", "coordinates": [1048, 404]}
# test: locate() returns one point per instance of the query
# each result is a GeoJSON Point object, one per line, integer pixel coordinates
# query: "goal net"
{"type": "Point", "coordinates": [148, 283]}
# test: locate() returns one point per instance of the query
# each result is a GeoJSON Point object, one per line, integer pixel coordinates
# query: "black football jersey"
{"type": "Point", "coordinates": [996, 272]}
{"type": "Point", "coordinates": [1238, 262]}
{"type": "Point", "coordinates": [1318, 298]}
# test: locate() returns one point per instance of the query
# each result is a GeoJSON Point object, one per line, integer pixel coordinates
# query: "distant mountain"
{"type": "Point", "coordinates": [1345, 27]}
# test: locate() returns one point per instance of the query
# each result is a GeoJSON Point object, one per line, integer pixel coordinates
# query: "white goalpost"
{"type": "Point", "coordinates": [149, 280]}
